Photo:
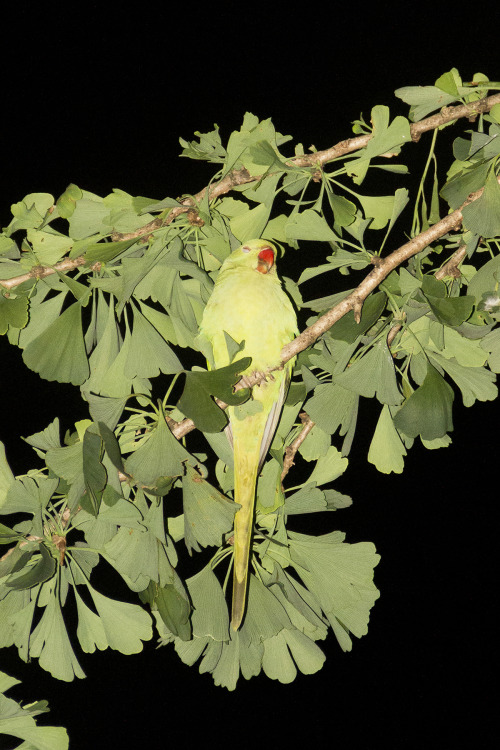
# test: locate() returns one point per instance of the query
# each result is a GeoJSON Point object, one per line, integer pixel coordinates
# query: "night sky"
{"type": "Point", "coordinates": [100, 99]}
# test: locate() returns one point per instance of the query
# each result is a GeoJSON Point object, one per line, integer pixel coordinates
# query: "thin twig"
{"type": "Point", "coordinates": [392, 333]}
{"type": "Point", "coordinates": [29, 538]}
{"type": "Point", "coordinates": [291, 450]}
{"type": "Point", "coordinates": [450, 268]}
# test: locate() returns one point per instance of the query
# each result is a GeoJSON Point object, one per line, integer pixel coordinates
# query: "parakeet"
{"type": "Point", "coordinates": [249, 304]}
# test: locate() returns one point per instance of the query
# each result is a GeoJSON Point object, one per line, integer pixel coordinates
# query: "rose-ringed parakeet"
{"type": "Point", "coordinates": [249, 304]}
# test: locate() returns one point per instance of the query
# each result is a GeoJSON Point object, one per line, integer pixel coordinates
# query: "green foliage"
{"type": "Point", "coordinates": [119, 319]}
{"type": "Point", "coordinates": [18, 721]}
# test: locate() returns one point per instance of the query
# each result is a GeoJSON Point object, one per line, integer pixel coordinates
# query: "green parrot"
{"type": "Point", "coordinates": [249, 304]}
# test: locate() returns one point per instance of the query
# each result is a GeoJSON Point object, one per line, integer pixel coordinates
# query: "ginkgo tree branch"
{"type": "Point", "coordinates": [41, 272]}
{"type": "Point", "coordinates": [238, 177]}
{"type": "Point", "coordinates": [383, 267]}
{"type": "Point", "coordinates": [353, 301]}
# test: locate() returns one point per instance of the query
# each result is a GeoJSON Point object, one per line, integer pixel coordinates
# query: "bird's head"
{"type": "Point", "coordinates": [259, 255]}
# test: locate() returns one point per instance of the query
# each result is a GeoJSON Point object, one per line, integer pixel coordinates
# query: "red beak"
{"type": "Point", "coordinates": [265, 260]}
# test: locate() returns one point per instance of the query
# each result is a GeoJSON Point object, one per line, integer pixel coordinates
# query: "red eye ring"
{"type": "Point", "coordinates": [245, 249]}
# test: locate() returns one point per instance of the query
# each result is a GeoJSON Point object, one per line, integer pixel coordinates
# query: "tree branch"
{"type": "Point", "coordinates": [236, 178]}
{"type": "Point", "coordinates": [353, 301]}
{"type": "Point", "coordinates": [448, 114]}
{"type": "Point", "coordinates": [40, 272]}
{"type": "Point", "coordinates": [240, 177]}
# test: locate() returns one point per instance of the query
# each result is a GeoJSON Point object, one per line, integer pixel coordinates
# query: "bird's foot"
{"type": "Point", "coordinates": [248, 381]}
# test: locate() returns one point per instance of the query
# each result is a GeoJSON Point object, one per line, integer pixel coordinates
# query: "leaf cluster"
{"type": "Point", "coordinates": [18, 721]}
{"type": "Point", "coordinates": [108, 293]}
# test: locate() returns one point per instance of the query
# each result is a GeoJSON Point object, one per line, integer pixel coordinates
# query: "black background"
{"type": "Point", "coordinates": [98, 96]}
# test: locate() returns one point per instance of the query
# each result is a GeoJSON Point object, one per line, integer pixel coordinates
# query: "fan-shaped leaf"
{"type": "Point", "coordinates": [59, 352]}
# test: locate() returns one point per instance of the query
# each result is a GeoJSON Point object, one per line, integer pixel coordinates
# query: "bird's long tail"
{"type": "Point", "coordinates": [246, 466]}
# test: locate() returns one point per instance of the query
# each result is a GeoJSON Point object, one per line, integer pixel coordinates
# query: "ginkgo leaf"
{"type": "Point", "coordinates": [332, 406]}
{"type": "Point", "coordinates": [148, 352]}
{"type": "Point", "coordinates": [94, 473]}
{"type": "Point", "coordinates": [6, 475]}
{"type": "Point", "coordinates": [209, 147]}
{"type": "Point", "coordinates": [113, 382]}
{"type": "Point", "coordinates": [25, 495]}
{"type": "Point", "coordinates": [347, 329]}
{"type": "Point", "coordinates": [48, 245]}
{"type": "Point", "coordinates": [88, 216]}
{"type": "Point", "coordinates": [428, 411]}
{"type": "Point", "coordinates": [59, 352]}
{"type": "Point", "coordinates": [385, 138]}
{"type": "Point", "coordinates": [252, 132]}
{"type": "Point", "coordinates": [103, 252]}
{"type": "Point", "coordinates": [343, 209]}
{"type": "Point", "coordinates": [134, 554]}
{"type": "Point", "coordinates": [386, 450]}
{"type": "Point", "coordinates": [461, 184]}
{"type": "Point", "coordinates": [474, 382]}
{"type": "Point", "coordinates": [373, 374]}
{"type": "Point", "coordinates": [105, 353]}
{"type": "Point", "coordinates": [66, 462]}
{"type": "Point", "coordinates": [105, 409]}
{"type": "Point", "coordinates": [342, 258]}
{"type": "Point", "coordinates": [328, 467]}
{"type": "Point", "coordinates": [378, 208]}
{"type": "Point", "coordinates": [30, 212]}
{"type": "Point", "coordinates": [265, 616]}
{"type": "Point", "coordinates": [340, 575]}
{"type": "Point", "coordinates": [227, 668]}
{"type": "Point", "coordinates": [38, 571]}
{"type": "Point", "coordinates": [125, 625]}
{"type": "Point", "coordinates": [210, 615]}
{"type": "Point", "coordinates": [309, 225]}
{"type": "Point", "coordinates": [161, 322]}
{"type": "Point", "coordinates": [196, 400]}
{"type": "Point", "coordinates": [42, 315]}
{"type": "Point", "coordinates": [308, 657]}
{"type": "Point", "coordinates": [13, 312]}
{"type": "Point", "coordinates": [490, 345]}
{"type": "Point", "coordinates": [90, 631]}
{"type": "Point", "coordinates": [310, 499]}
{"type": "Point", "coordinates": [208, 514]}
{"type": "Point", "coordinates": [251, 223]}
{"type": "Point", "coordinates": [175, 609]}
{"type": "Point", "coordinates": [424, 99]}
{"type": "Point", "coordinates": [17, 721]}
{"type": "Point", "coordinates": [451, 311]}
{"type": "Point", "coordinates": [50, 643]}
{"type": "Point", "coordinates": [8, 535]}
{"type": "Point", "coordinates": [161, 455]}
{"type": "Point", "coordinates": [482, 215]}
{"type": "Point", "coordinates": [486, 279]}
{"type": "Point", "coordinates": [276, 661]}
{"type": "Point", "coordinates": [47, 438]}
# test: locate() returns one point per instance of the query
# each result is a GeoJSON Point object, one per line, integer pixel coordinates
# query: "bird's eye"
{"type": "Point", "coordinates": [246, 249]}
